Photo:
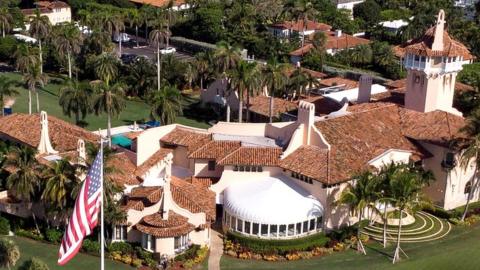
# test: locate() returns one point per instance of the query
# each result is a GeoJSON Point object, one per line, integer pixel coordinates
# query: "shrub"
{"type": "Point", "coordinates": [122, 247]}
{"type": "Point", "coordinates": [126, 259]}
{"type": "Point", "coordinates": [439, 212]}
{"type": "Point", "coordinates": [7, 48]}
{"type": "Point", "coordinates": [4, 226]}
{"type": "Point", "coordinates": [264, 246]}
{"type": "Point", "coordinates": [90, 246]}
{"type": "Point", "coordinates": [343, 233]}
{"type": "Point", "coordinates": [189, 254]}
{"type": "Point", "coordinates": [143, 254]}
{"type": "Point", "coordinates": [53, 236]}
{"type": "Point", "coordinates": [136, 263]}
{"type": "Point", "coordinates": [34, 264]}
{"type": "Point", "coordinates": [29, 234]}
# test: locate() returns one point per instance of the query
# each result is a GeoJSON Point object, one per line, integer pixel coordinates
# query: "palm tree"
{"type": "Point", "coordinates": [32, 79]}
{"type": "Point", "coordinates": [109, 100]}
{"type": "Point", "coordinates": [385, 175]}
{"type": "Point", "coordinates": [470, 151]}
{"type": "Point", "coordinates": [158, 37]}
{"type": "Point", "coordinates": [362, 54]}
{"type": "Point", "coordinates": [244, 79]}
{"type": "Point", "coordinates": [24, 180]}
{"type": "Point", "coordinates": [227, 57]}
{"type": "Point", "coordinates": [6, 20]}
{"type": "Point", "coordinates": [298, 81]}
{"type": "Point", "coordinates": [134, 18]}
{"type": "Point", "coordinates": [6, 90]}
{"type": "Point", "coordinates": [9, 253]}
{"type": "Point", "coordinates": [190, 73]}
{"type": "Point", "coordinates": [302, 10]}
{"type": "Point", "coordinates": [61, 179]}
{"type": "Point", "coordinates": [25, 57]}
{"type": "Point", "coordinates": [67, 41]}
{"type": "Point", "coordinates": [106, 67]}
{"type": "Point", "coordinates": [166, 105]}
{"type": "Point", "coordinates": [405, 188]}
{"type": "Point", "coordinates": [360, 196]}
{"type": "Point", "coordinates": [202, 65]}
{"type": "Point", "coordinates": [40, 28]}
{"type": "Point", "coordinates": [275, 79]}
{"type": "Point", "coordinates": [146, 13]}
{"type": "Point", "coordinates": [114, 24]}
{"type": "Point", "coordinates": [141, 77]}
{"type": "Point", "coordinates": [75, 99]}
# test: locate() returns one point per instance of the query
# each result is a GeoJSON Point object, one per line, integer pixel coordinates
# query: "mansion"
{"type": "Point", "coordinates": [272, 180]}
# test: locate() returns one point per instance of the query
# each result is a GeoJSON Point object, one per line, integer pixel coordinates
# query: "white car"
{"type": "Point", "coordinates": [168, 50]}
{"type": "Point", "coordinates": [123, 36]}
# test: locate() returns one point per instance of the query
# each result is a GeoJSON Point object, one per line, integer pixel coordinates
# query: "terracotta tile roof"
{"type": "Point", "coordinates": [188, 138]}
{"type": "Point", "coordinates": [255, 156]}
{"type": "Point", "coordinates": [334, 42]}
{"type": "Point", "coordinates": [133, 135]}
{"type": "Point", "coordinates": [299, 25]}
{"type": "Point", "coordinates": [202, 181]}
{"type": "Point", "coordinates": [402, 83]}
{"type": "Point", "coordinates": [308, 160]}
{"type": "Point", "coordinates": [215, 150]}
{"type": "Point", "coordinates": [435, 127]}
{"type": "Point", "coordinates": [52, 4]}
{"type": "Point", "coordinates": [160, 3]}
{"type": "Point", "coordinates": [175, 225]}
{"type": "Point", "coordinates": [316, 74]}
{"type": "Point", "coordinates": [359, 137]}
{"type": "Point", "coordinates": [193, 197]}
{"type": "Point", "coordinates": [124, 170]}
{"type": "Point", "coordinates": [423, 46]}
{"type": "Point", "coordinates": [349, 84]}
{"type": "Point", "coordinates": [26, 129]}
{"type": "Point", "coordinates": [152, 161]}
{"type": "Point", "coordinates": [141, 197]}
{"type": "Point", "coordinates": [261, 105]}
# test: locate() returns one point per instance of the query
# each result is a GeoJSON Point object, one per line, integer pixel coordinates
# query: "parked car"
{"type": "Point", "coordinates": [123, 36]}
{"type": "Point", "coordinates": [168, 50]}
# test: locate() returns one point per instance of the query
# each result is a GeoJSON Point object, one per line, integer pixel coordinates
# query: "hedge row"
{"type": "Point", "coordinates": [191, 46]}
{"type": "Point", "coordinates": [264, 246]}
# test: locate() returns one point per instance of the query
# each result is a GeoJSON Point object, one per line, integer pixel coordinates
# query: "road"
{"type": "Point", "coordinates": [149, 51]}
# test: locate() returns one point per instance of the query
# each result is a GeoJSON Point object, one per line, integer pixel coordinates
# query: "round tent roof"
{"type": "Point", "coordinates": [273, 200]}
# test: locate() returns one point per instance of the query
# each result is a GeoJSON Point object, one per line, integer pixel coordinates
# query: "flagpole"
{"type": "Point", "coordinates": [102, 229]}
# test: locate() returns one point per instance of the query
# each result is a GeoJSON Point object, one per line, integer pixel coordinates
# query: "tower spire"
{"type": "Point", "coordinates": [439, 28]}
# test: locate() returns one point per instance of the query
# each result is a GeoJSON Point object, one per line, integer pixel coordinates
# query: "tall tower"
{"type": "Point", "coordinates": [433, 62]}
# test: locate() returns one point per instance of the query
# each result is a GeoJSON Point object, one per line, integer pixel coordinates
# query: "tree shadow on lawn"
{"type": "Point", "coordinates": [379, 250]}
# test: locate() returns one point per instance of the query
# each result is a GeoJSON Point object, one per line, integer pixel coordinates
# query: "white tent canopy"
{"type": "Point", "coordinates": [272, 200]}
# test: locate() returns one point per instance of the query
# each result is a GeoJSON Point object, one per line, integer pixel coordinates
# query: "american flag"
{"type": "Point", "coordinates": [85, 212]}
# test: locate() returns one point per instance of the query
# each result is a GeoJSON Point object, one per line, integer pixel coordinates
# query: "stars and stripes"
{"type": "Point", "coordinates": [85, 213]}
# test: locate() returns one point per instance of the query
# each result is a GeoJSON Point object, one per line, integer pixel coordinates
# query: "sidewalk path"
{"type": "Point", "coordinates": [216, 250]}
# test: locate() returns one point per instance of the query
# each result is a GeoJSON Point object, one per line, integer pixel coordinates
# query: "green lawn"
{"type": "Point", "coordinates": [459, 250]}
{"type": "Point", "coordinates": [134, 111]}
{"type": "Point", "coordinates": [49, 254]}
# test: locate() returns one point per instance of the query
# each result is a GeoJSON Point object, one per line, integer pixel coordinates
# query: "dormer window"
{"type": "Point", "coordinates": [211, 165]}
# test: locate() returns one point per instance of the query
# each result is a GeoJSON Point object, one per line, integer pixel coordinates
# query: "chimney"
{"type": "Point", "coordinates": [82, 156]}
{"type": "Point", "coordinates": [364, 89]}
{"type": "Point", "coordinates": [439, 29]}
{"type": "Point", "coordinates": [45, 146]}
{"type": "Point", "coordinates": [306, 116]}
{"type": "Point", "coordinates": [167, 193]}
{"type": "Point", "coordinates": [338, 33]}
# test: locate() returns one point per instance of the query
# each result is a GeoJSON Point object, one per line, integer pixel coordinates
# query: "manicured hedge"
{"type": "Point", "coordinates": [53, 235]}
{"type": "Point", "coordinates": [441, 213]}
{"type": "Point", "coordinates": [189, 254]}
{"type": "Point", "coordinates": [264, 246]}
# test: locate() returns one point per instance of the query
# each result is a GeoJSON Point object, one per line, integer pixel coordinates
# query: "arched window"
{"type": "Point", "coordinates": [468, 187]}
